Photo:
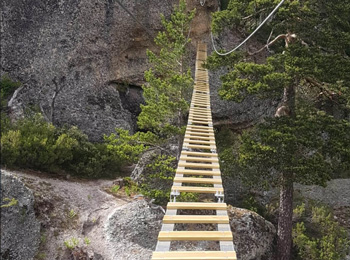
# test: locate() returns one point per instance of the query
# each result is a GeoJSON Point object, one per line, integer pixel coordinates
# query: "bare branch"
{"type": "Point", "coordinates": [14, 96]}
{"type": "Point", "coordinates": [250, 16]}
{"type": "Point", "coordinates": [281, 36]}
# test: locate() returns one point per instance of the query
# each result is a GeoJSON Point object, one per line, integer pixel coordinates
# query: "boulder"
{"type": "Point", "coordinates": [253, 236]}
{"type": "Point", "coordinates": [132, 230]}
{"type": "Point", "coordinates": [140, 169]}
{"type": "Point", "coordinates": [20, 230]}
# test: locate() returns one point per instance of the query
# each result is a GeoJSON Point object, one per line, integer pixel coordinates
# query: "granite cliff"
{"type": "Point", "coordinates": [82, 62]}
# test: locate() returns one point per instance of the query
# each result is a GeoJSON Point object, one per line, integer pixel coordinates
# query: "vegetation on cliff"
{"type": "Point", "coordinates": [307, 66]}
{"type": "Point", "coordinates": [167, 91]}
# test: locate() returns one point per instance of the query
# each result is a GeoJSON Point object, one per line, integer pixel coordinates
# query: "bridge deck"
{"type": "Point", "coordinates": [199, 163]}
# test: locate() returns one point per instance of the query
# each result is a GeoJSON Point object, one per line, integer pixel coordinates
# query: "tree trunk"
{"type": "Point", "coordinates": [285, 224]}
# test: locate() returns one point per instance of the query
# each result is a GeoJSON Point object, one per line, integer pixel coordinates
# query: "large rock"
{"type": "Point", "coordinates": [94, 52]}
{"type": "Point", "coordinates": [132, 230]}
{"type": "Point", "coordinates": [253, 236]}
{"type": "Point", "coordinates": [141, 169]}
{"type": "Point", "coordinates": [20, 230]}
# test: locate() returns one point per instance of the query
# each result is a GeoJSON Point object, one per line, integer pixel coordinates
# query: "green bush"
{"type": "Point", "coordinates": [158, 183]}
{"type": "Point", "coordinates": [317, 236]}
{"type": "Point", "coordinates": [7, 87]}
{"type": "Point", "coordinates": [33, 143]}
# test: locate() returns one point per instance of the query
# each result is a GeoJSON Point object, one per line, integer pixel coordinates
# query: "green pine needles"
{"type": "Point", "coordinates": [307, 67]}
{"type": "Point", "coordinates": [169, 80]}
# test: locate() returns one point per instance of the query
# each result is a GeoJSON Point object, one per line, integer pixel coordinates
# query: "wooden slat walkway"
{"type": "Point", "coordinates": [198, 171]}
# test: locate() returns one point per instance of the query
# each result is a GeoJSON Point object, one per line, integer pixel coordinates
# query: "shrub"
{"type": "Point", "coordinates": [158, 183]}
{"type": "Point", "coordinates": [319, 238]}
{"type": "Point", "coordinates": [33, 143]}
{"type": "Point", "coordinates": [71, 243]}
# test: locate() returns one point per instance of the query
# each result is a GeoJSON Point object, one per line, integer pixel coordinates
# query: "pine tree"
{"type": "Point", "coordinates": [308, 66]}
{"type": "Point", "coordinates": [169, 80]}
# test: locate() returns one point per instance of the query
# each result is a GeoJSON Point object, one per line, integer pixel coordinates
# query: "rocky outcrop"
{"type": "Point", "coordinates": [82, 63]}
{"type": "Point", "coordinates": [20, 230]}
{"type": "Point", "coordinates": [80, 54]}
{"type": "Point", "coordinates": [253, 236]}
{"type": "Point", "coordinates": [132, 230]}
{"type": "Point", "coordinates": [140, 170]}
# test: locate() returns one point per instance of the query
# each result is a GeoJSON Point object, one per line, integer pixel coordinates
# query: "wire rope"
{"type": "Point", "coordinates": [243, 42]}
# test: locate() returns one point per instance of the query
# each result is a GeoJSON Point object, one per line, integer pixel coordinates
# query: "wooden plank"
{"type": "Point", "coordinates": [200, 114]}
{"type": "Point", "coordinates": [195, 235]}
{"type": "Point", "coordinates": [198, 141]}
{"type": "Point", "coordinates": [199, 131]}
{"type": "Point", "coordinates": [198, 146]}
{"type": "Point", "coordinates": [199, 159]}
{"type": "Point", "coordinates": [207, 134]}
{"type": "Point", "coordinates": [195, 255]}
{"type": "Point", "coordinates": [200, 120]}
{"type": "Point", "coordinates": [199, 137]}
{"type": "Point", "coordinates": [199, 154]}
{"type": "Point", "coordinates": [200, 127]}
{"type": "Point", "coordinates": [194, 129]}
{"type": "Point", "coordinates": [198, 172]}
{"type": "Point", "coordinates": [200, 165]}
{"type": "Point", "coordinates": [197, 189]}
{"type": "Point", "coordinates": [202, 117]}
{"type": "Point", "coordinates": [196, 219]}
{"type": "Point", "coordinates": [197, 205]}
{"type": "Point", "coordinates": [197, 180]}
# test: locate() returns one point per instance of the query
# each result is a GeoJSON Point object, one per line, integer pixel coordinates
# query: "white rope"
{"type": "Point", "coordinates": [202, 2]}
{"type": "Point", "coordinates": [240, 45]}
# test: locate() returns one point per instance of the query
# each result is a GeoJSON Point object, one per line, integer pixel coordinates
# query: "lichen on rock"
{"type": "Point", "coordinates": [20, 230]}
{"type": "Point", "coordinates": [253, 236]}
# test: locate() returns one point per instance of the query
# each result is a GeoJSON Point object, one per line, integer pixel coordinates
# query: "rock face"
{"type": "Point", "coordinates": [132, 230]}
{"type": "Point", "coordinates": [82, 63]}
{"type": "Point", "coordinates": [140, 170]}
{"type": "Point", "coordinates": [86, 53]}
{"type": "Point", "coordinates": [20, 230]}
{"type": "Point", "coordinates": [253, 236]}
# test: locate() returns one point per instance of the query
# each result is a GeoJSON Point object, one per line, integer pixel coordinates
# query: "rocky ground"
{"type": "Point", "coordinates": [105, 226]}
{"type": "Point", "coordinates": [62, 211]}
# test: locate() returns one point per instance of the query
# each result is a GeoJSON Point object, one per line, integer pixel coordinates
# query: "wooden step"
{"type": "Point", "coordinates": [191, 132]}
{"type": "Point", "coordinates": [200, 127]}
{"type": "Point", "coordinates": [198, 141]}
{"type": "Point", "coordinates": [197, 205]}
{"type": "Point", "coordinates": [201, 109]}
{"type": "Point", "coordinates": [196, 219]}
{"type": "Point", "coordinates": [199, 154]}
{"type": "Point", "coordinates": [197, 180]}
{"type": "Point", "coordinates": [195, 115]}
{"type": "Point", "coordinates": [195, 235]}
{"type": "Point", "coordinates": [198, 146]}
{"type": "Point", "coordinates": [206, 130]}
{"type": "Point", "coordinates": [195, 255]}
{"type": "Point", "coordinates": [198, 172]}
{"type": "Point", "coordinates": [199, 165]}
{"type": "Point", "coordinates": [200, 121]}
{"type": "Point", "coordinates": [198, 131]}
{"type": "Point", "coordinates": [199, 137]}
{"type": "Point", "coordinates": [197, 189]}
{"type": "Point", "coordinates": [199, 159]}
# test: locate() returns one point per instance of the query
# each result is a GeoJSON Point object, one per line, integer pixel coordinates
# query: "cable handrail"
{"type": "Point", "coordinates": [243, 42]}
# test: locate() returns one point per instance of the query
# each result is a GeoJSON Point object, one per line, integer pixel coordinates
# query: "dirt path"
{"type": "Point", "coordinates": [72, 209]}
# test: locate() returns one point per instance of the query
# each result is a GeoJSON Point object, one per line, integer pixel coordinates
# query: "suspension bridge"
{"type": "Point", "coordinates": [198, 171]}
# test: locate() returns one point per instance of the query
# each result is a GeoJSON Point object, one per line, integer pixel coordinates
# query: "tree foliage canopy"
{"type": "Point", "coordinates": [169, 80]}
{"type": "Point", "coordinates": [312, 55]}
